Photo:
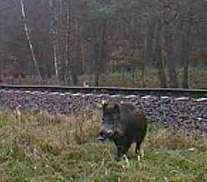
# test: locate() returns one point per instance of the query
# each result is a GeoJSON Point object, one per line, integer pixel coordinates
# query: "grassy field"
{"type": "Point", "coordinates": [41, 147]}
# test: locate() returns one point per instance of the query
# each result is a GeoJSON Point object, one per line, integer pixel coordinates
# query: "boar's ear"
{"type": "Point", "coordinates": [116, 107]}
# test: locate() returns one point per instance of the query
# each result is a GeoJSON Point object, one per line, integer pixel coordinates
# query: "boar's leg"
{"type": "Point", "coordinates": [123, 144]}
{"type": "Point", "coordinates": [123, 147]}
{"type": "Point", "coordinates": [140, 139]}
{"type": "Point", "coordinates": [137, 148]}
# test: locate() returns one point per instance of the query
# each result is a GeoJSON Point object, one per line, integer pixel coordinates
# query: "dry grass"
{"type": "Point", "coordinates": [41, 147]}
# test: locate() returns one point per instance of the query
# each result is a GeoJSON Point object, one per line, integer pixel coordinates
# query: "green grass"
{"type": "Point", "coordinates": [41, 147]}
{"type": "Point", "coordinates": [197, 78]}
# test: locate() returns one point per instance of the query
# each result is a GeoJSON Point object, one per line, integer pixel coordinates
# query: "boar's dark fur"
{"type": "Point", "coordinates": [123, 124]}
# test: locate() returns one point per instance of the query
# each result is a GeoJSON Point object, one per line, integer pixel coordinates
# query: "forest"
{"type": "Point", "coordinates": [135, 43]}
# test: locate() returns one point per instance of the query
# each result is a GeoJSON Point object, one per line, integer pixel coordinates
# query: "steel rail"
{"type": "Point", "coordinates": [110, 90]}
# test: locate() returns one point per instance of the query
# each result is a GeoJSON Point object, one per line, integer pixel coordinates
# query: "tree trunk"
{"type": "Point", "coordinates": [83, 58]}
{"type": "Point", "coordinates": [148, 53]}
{"type": "Point", "coordinates": [172, 74]}
{"type": "Point", "coordinates": [100, 53]}
{"type": "Point", "coordinates": [143, 75]}
{"type": "Point", "coordinates": [68, 63]}
{"type": "Point", "coordinates": [96, 60]}
{"type": "Point", "coordinates": [77, 64]}
{"type": "Point", "coordinates": [171, 58]}
{"type": "Point", "coordinates": [185, 56]}
{"type": "Point", "coordinates": [26, 28]}
{"type": "Point", "coordinates": [159, 59]}
{"type": "Point", "coordinates": [54, 36]}
{"type": "Point", "coordinates": [185, 74]}
{"type": "Point", "coordinates": [62, 38]}
{"type": "Point", "coordinates": [55, 61]}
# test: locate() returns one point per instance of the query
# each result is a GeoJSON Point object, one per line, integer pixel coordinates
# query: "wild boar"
{"type": "Point", "coordinates": [123, 124]}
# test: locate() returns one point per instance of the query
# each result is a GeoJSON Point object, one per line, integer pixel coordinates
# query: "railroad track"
{"type": "Point", "coordinates": [185, 110]}
{"type": "Point", "coordinates": [194, 93]}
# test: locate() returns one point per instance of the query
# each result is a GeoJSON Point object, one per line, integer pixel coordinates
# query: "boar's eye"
{"type": "Point", "coordinates": [103, 119]}
{"type": "Point", "coordinates": [108, 118]}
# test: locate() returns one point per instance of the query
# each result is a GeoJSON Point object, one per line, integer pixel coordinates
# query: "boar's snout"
{"type": "Point", "coordinates": [105, 134]}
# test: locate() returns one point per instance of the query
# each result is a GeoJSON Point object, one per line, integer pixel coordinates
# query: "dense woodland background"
{"type": "Point", "coordinates": [137, 43]}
